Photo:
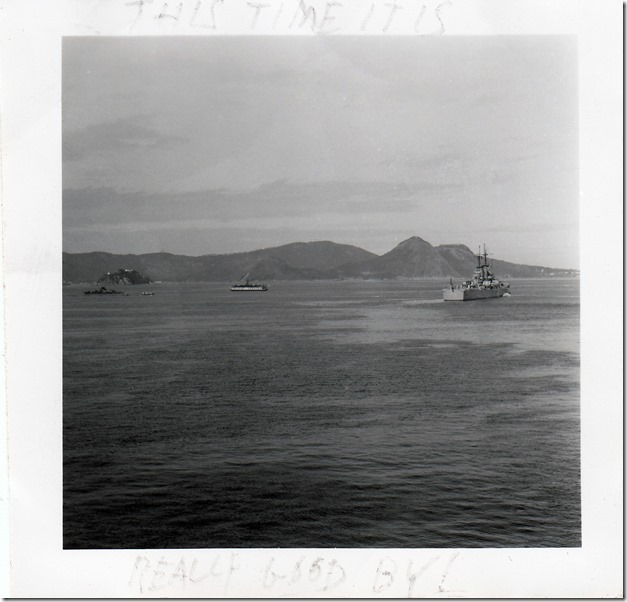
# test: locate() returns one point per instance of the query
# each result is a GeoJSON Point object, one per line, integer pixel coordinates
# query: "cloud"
{"type": "Point", "coordinates": [113, 137]}
{"type": "Point", "coordinates": [276, 200]}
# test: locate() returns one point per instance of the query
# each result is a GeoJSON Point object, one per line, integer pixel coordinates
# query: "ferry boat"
{"type": "Point", "coordinates": [249, 286]}
{"type": "Point", "coordinates": [482, 286]}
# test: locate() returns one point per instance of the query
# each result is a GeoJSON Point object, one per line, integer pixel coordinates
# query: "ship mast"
{"type": "Point", "coordinates": [482, 271]}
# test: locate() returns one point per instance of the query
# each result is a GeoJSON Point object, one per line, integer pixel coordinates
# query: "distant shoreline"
{"type": "Point", "coordinates": [324, 280]}
{"type": "Point", "coordinates": [320, 260]}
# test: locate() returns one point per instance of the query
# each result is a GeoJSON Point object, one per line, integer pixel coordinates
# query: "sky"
{"type": "Point", "coordinates": [198, 145]}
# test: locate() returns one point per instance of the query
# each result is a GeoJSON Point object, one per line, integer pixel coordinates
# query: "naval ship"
{"type": "Point", "coordinates": [249, 286]}
{"type": "Point", "coordinates": [482, 286]}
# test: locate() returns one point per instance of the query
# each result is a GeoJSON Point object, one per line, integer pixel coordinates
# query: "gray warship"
{"type": "Point", "coordinates": [248, 285]}
{"type": "Point", "coordinates": [482, 286]}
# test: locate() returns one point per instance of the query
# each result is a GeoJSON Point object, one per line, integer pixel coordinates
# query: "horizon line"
{"type": "Point", "coordinates": [162, 252]}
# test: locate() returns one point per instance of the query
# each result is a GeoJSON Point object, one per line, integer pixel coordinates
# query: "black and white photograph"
{"type": "Point", "coordinates": [268, 339]}
{"type": "Point", "coordinates": [324, 291]}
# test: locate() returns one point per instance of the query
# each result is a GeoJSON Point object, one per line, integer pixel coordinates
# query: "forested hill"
{"type": "Point", "coordinates": [412, 258]}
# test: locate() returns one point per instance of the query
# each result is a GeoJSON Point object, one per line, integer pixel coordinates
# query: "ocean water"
{"type": "Point", "coordinates": [321, 414]}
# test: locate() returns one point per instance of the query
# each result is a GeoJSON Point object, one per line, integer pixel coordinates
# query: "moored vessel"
{"type": "Point", "coordinates": [103, 290]}
{"type": "Point", "coordinates": [249, 286]}
{"type": "Point", "coordinates": [483, 284]}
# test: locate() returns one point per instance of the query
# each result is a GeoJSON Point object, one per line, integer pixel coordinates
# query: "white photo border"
{"type": "Point", "coordinates": [30, 120]}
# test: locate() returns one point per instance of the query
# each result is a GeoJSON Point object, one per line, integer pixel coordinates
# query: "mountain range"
{"type": "Point", "coordinates": [321, 260]}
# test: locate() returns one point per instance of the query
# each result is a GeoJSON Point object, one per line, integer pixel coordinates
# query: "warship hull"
{"type": "Point", "coordinates": [472, 294]}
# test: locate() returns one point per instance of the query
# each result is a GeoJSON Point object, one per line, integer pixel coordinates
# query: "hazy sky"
{"type": "Point", "coordinates": [221, 144]}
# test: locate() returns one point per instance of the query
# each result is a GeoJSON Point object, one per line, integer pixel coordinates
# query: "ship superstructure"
{"type": "Point", "coordinates": [483, 284]}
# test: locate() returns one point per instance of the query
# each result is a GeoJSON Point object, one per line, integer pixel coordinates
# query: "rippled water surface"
{"type": "Point", "coordinates": [321, 414]}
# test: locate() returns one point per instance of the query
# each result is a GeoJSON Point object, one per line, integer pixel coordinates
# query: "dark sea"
{"type": "Point", "coordinates": [321, 414]}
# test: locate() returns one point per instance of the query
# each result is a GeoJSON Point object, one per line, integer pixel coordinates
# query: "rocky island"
{"type": "Point", "coordinates": [124, 276]}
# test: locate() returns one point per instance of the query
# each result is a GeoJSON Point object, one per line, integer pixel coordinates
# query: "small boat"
{"type": "Point", "coordinates": [482, 286]}
{"type": "Point", "coordinates": [147, 293]}
{"type": "Point", "coordinates": [249, 286]}
{"type": "Point", "coordinates": [103, 290]}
